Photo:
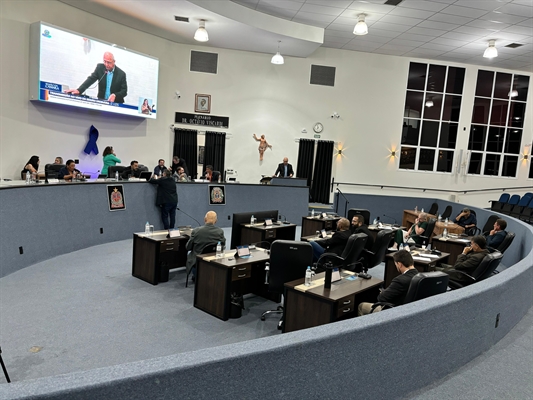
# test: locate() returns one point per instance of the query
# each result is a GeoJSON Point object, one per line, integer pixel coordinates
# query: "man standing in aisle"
{"type": "Point", "coordinates": [167, 198]}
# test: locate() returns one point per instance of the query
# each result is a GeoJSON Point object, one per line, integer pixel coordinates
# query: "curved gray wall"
{"type": "Point", "coordinates": [357, 358]}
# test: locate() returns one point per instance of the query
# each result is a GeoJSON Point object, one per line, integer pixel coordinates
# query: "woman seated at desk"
{"type": "Point", "coordinates": [68, 172]}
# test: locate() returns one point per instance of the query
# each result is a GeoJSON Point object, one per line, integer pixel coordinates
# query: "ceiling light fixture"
{"type": "Point", "coordinates": [491, 51]}
{"type": "Point", "coordinates": [201, 34]}
{"type": "Point", "coordinates": [360, 28]}
{"type": "Point", "coordinates": [277, 58]}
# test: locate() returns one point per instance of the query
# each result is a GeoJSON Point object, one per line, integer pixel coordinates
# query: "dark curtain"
{"type": "Point", "coordinates": [322, 172]}
{"type": "Point", "coordinates": [306, 152]}
{"type": "Point", "coordinates": [215, 151]}
{"type": "Point", "coordinates": [186, 147]}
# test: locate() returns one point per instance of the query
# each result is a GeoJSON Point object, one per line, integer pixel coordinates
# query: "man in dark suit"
{"type": "Point", "coordinates": [335, 244]}
{"type": "Point", "coordinates": [399, 286]}
{"type": "Point", "coordinates": [133, 170]}
{"type": "Point", "coordinates": [468, 260]}
{"type": "Point", "coordinates": [112, 85]}
{"type": "Point", "coordinates": [358, 226]}
{"type": "Point", "coordinates": [495, 236]}
{"type": "Point", "coordinates": [167, 198]}
{"type": "Point", "coordinates": [179, 162]}
{"type": "Point", "coordinates": [284, 169]}
{"type": "Point", "coordinates": [201, 237]}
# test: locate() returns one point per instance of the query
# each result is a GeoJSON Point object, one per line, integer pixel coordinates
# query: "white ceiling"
{"type": "Point", "coordinates": [449, 30]}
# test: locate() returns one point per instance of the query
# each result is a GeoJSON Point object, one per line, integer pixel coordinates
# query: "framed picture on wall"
{"type": "Point", "coordinates": [201, 150]}
{"type": "Point", "coordinates": [202, 103]}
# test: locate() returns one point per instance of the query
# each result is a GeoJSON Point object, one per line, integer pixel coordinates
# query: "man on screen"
{"type": "Point", "coordinates": [111, 81]}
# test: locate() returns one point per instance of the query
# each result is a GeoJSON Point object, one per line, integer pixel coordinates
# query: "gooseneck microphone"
{"type": "Point", "coordinates": [388, 216]}
{"type": "Point", "coordinates": [190, 216]}
{"type": "Point", "coordinates": [97, 83]}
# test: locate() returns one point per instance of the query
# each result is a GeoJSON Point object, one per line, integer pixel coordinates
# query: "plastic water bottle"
{"type": "Point", "coordinates": [375, 222]}
{"type": "Point", "coordinates": [446, 222]}
{"type": "Point", "coordinates": [422, 210]}
{"type": "Point", "coordinates": [267, 272]}
{"type": "Point", "coordinates": [28, 177]}
{"type": "Point", "coordinates": [440, 217]}
{"type": "Point", "coordinates": [401, 246]}
{"type": "Point", "coordinates": [147, 228]}
{"type": "Point", "coordinates": [219, 250]}
{"type": "Point", "coordinates": [116, 175]}
{"type": "Point", "coordinates": [308, 276]}
{"type": "Point", "coordinates": [406, 248]}
{"type": "Point", "coordinates": [252, 220]}
{"type": "Point", "coordinates": [445, 233]}
{"type": "Point", "coordinates": [219, 179]}
{"type": "Point", "coordinates": [416, 208]}
{"type": "Point", "coordinates": [313, 213]}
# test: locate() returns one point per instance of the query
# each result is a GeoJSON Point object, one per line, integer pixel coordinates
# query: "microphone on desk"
{"type": "Point", "coordinates": [263, 242]}
{"type": "Point", "coordinates": [388, 216]}
{"type": "Point", "coordinates": [285, 222]}
{"type": "Point", "coordinates": [190, 216]}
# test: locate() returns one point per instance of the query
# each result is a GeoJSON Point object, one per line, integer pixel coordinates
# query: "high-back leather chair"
{"type": "Point", "coordinates": [111, 171]}
{"type": "Point", "coordinates": [447, 212]}
{"type": "Point", "coordinates": [434, 208]}
{"type": "Point", "coordinates": [426, 236]}
{"type": "Point", "coordinates": [289, 260]}
{"type": "Point", "coordinates": [52, 170]}
{"type": "Point", "coordinates": [364, 212]}
{"type": "Point", "coordinates": [377, 255]}
{"type": "Point", "coordinates": [423, 285]}
{"type": "Point", "coordinates": [485, 269]}
{"type": "Point", "coordinates": [489, 225]}
{"type": "Point", "coordinates": [504, 245]}
{"type": "Point", "coordinates": [352, 251]}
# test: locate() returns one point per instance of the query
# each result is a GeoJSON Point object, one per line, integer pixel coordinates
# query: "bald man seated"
{"type": "Point", "coordinates": [201, 237]}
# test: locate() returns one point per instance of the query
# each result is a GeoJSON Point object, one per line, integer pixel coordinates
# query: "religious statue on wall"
{"type": "Point", "coordinates": [263, 145]}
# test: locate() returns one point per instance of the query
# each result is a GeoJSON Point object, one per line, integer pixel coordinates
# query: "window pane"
{"type": "Point", "coordinates": [426, 161]}
{"type": "Point", "coordinates": [452, 108]}
{"type": "Point", "coordinates": [410, 131]}
{"type": "Point", "coordinates": [477, 137]}
{"type": "Point", "coordinates": [407, 158]}
{"type": "Point", "coordinates": [456, 78]}
{"type": "Point", "coordinates": [484, 83]}
{"type": "Point", "coordinates": [436, 78]}
{"type": "Point", "coordinates": [481, 111]}
{"type": "Point", "coordinates": [498, 114]}
{"type": "Point", "coordinates": [502, 87]}
{"type": "Point", "coordinates": [432, 111]}
{"type": "Point", "coordinates": [510, 163]}
{"type": "Point", "coordinates": [445, 161]}
{"type": "Point", "coordinates": [495, 139]}
{"type": "Point", "coordinates": [430, 132]}
{"type": "Point", "coordinates": [521, 85]}
{"type": "Point", "coordinates": [492, 164]}
{"type": "Point", "coordinates": [516, 114]}
{"type": "Point", "coordinates": [475, 163]}
{"type": "Point", "coordinates": [413, 104]}
{"type": "Point", "coordinates": [513, 140]}
{"type": "Point", "coordinates": [448, 135]}
{"type": "Point", "coordinates": [417, 76]}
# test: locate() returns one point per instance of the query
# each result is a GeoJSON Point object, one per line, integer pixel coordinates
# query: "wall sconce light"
{"type": "Point", "coordinates": [339, 152]}
{"type": "Point", "coordinates": [393, 153]}
{"type": "Point", "coordinates": [527, 149]}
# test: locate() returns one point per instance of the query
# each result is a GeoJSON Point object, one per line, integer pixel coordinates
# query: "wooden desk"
{"type": "Point", "coordinates": [217, 278]}
{"type": "Point", "coordinates": [409, 217]}
{"type": "Point", "coordinates": [453, 246]}
{"type": "Point", "coordinates": [319, 306]}
{"type": "Point", "coordinates": [312, 224]}
{"type": "Point", "coordinates": [452, 228]}
{"type": "Point", "coordinates": [422, 266]}
{"type": "Point", "coordinates": [154, 255]}
{"type": "Point", "coordinates": [259, 233]}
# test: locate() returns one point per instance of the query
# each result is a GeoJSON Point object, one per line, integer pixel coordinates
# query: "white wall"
{"type": "Point", "coordinates": [257, 96]}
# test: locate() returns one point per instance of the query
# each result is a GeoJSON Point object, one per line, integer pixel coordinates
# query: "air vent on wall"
{"type": "Point", "coordinates": [393, 2]}
{"type": "Point", "coordinates": [181, 19]}
{"type": "Point", "coordinates": [204, 62]}
{"type": "Point", "coordinates": [514, 45]}
{"type": "Point", "coordinates": [322, 75]}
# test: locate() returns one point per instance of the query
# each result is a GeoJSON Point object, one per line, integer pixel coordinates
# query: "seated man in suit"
{"type": "Point", "coordinates": [160, 168]}
{"type": "Point", "coordinates": [132, 171]}
{"type": "Point", "coordinates": [466, 219]}
{"type": "Point", "coordinates": [468, 260]}
{"type": "Point", "coordinates": [210, 175]}
{"type": "Point", "coordinates": [202, 237]}
{"type": "Point", "coordinates": [399, 286]}
{"type": "Point", "coordinates": [495, 237]}
{"type": "Point", "coordinates": [68, 172]}
{"type": "Point", "coordinates": [284, 169]}
{"type": "Point", "coordinates": [358, 226]}
{"type": "Point", "coordinates": [336, 244]}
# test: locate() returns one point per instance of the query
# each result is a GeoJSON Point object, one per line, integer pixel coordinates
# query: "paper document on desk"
{"type": "Point", "coordinates": [431, 255]}
{"type": "Point", "coordinates": [420, 258]}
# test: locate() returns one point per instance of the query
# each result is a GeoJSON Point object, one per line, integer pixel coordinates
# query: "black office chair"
{"type": "Point", "coordinates": [447, 212]}
{"type": "Point", "coordinates": [215, 176]}
{"type": "Point", "coordinates": [365, 213]}
{"type": "Point", "coordinates": [434, 208]}
{"type": "Point", "coordinates": [52, 170]}
{"type": "Point", "coordinates": [375, 257]}
{"type": "Point", "coordinates": [506, 242]}
{"type": "Point", "coordinates": [496, 205]}
{"type": "Point", "coordinates": [348, 259]}
{"type": "Point", "coordinates": [426, 237]}
{"type": "Point", "coordinates": [489, 225]}
{"type": "Point", "coordinates": [111, 171]}
{"type": "Point", "coordinates": [289, 260]}
{"type": "Point", "coordinates": [486, 268]}
{"type": "Point", "coordinates": [210, 248]}
{"type": "Point", "coordinates": [423, 285]}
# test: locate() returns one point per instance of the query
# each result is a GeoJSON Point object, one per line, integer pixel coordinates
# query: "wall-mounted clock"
{"type": "Point", "coordinates": [318, 127]}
